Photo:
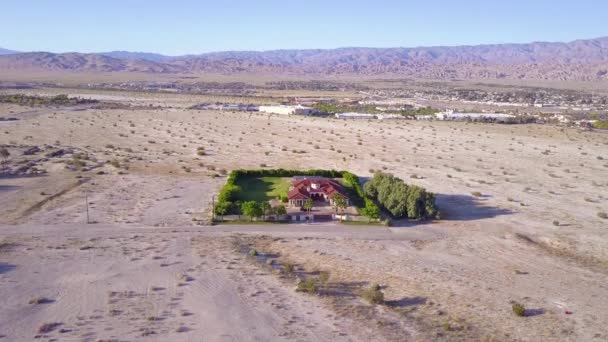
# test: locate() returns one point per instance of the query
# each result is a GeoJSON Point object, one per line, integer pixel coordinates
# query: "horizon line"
{"type": "Point", "coordinates": [299, 49]}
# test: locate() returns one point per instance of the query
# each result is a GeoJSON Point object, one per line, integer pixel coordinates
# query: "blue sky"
{"type": "Point", "coordinates": [188, 26]}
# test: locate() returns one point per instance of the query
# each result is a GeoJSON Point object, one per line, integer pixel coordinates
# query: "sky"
{"type": "Point", "coordinates": [177, 27]}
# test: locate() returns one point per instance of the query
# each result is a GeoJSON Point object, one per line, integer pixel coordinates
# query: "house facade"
{"type": "Point", "coordinates": [319, 189]}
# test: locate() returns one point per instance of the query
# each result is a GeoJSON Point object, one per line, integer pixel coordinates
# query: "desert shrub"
{"type": "Point", "coordinates": [373, 295]}
{"type": "Point", "coordinates": [309, 286]}
{"type": "Point", "coordinates": [48, 327]}
{"type": "Point", "coordinates": [476, 193]}
{"type": "Point", "coordinates": [114, 162]}
{"type": "Point", "coordinates": [555, 222]}
{"type": "Point", "coordinates": [519, 310]}
{"type": "Point", "coordinates": [40, 300]}
{"type": "Point", "coordinates": [253, 252]}
{"type": "Point", "coordinates": [601, 124]}
{"type": "Point", "coordinates": [289, 267]}
{"type": "Point", "coordinates": [323, 277]}
{"type": "Point", "coordinates": [602, 215]}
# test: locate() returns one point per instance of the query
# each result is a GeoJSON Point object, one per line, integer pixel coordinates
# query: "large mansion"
{"type": "Point", "coordinates": [319, 189]}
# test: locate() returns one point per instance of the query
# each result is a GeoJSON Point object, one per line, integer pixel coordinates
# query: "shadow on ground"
{"type": "Point", "coordinates": [343, 289]}
{"type": "Point", "coordinates": [406, 301]}
{"type": "Point", "coordinates": [4, 267]}
{"type": "Point", "coordinates": [458, 208]}
{"type": "Point", "coordinates": [7, 188]}
{"type": "Point", "coordinates": [467, 208]}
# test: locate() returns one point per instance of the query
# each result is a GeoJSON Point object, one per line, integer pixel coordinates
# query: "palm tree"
{"type": "Point", "coordinates": [339, 202]}
{"type": "Point", "coordinates": [308, 205]}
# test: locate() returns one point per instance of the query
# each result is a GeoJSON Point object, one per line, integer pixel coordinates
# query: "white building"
{"type": "Point", "coordinates": [390, 116]}
{"type": "Point", "coordinates": [288, 110]}
{"type": "Point", "coordinates": [451, 115]}
{"type": "Point", "coordinates": [355, 116]}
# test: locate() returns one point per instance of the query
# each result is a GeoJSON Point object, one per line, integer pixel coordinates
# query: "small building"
{"type": "Point", "coordinates": [390, 116]}
{"type": "Point", "coordinates": [319, 189]}
{"type": "Point", "coordinates": [355, 116]}
{"type": "Point", "coordinates": [288, 110]}
{"type": "Point", "coordinates": [455, 116]}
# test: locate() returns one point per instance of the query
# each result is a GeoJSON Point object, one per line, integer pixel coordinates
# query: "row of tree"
{"type": "Point", "coordinates": [28, 100]}
{"type": "Point", "coordinates": [251, 209]}
{"type": "Point", "coordinates": [399, 199]}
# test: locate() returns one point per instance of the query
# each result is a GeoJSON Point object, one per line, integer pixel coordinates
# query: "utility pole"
{"type": "Point", "coordinates": [86, 199]}
{"type": "Point", "coordinates": [213, 208]}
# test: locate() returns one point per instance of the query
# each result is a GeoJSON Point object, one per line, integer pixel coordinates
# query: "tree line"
{"type": "Point", "coordinates": [400, 199]}
{"type": "Point", "coordinates": [32, 101]}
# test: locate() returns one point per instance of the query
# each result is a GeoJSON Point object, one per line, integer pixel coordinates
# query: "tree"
{"type": "Point", "coordinates": [339, 202]}
{"type": "Point", "coordinates": [371, 210]}
{"type": "Point", "coordinates": [223, 208]}
{"type": "Point", "coordinates": [308, 205]}
{"type": "Point", "coordinates": [280, 210]}
{"type": "Point", "coordinates": [251, 209]}
{"type": "Point", "coordinates": [265, 208]}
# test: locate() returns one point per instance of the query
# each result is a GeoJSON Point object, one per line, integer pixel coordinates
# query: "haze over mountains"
{"type": "Point", "coordinates": [584, 60]}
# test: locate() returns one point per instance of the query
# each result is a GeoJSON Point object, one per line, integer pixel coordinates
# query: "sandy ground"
{"type": "Point", "coordinates": [533, 235]}
{"type": "Point", "coordinates": [119, 283]}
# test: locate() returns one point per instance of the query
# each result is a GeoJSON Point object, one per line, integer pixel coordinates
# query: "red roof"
{"type": "Point", "coordinates": [302, 189]}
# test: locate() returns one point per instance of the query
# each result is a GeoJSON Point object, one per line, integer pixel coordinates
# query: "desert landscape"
{"type": "Point", "coordinates": [303, 171]}
{"type": "Point", "coordinates": [520, 222]}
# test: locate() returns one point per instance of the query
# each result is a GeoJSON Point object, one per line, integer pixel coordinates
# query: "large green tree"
{"type": "Point", "coordinates": [223, 208]}
{"type": "Point", "coordinates": [371, 211]}
{"type": "Point", "coordinates": [251, 209]}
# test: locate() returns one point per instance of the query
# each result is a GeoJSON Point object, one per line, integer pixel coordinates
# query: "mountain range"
{"type": "Point", "coordinates": [585, 60]}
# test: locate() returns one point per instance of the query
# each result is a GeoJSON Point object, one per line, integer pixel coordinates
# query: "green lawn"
{"type": "Point", "coordinates": [263, 188]}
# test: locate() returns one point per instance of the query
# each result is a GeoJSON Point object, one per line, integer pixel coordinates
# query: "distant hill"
{"type": "Point", "coordinates": [80, 62]}
{"type": "Point", "coordinates": [7, 52]}
{"type": "Point", "coordinates": [147, 56]}
{"type": "Point", "coordinates": [585, 60]}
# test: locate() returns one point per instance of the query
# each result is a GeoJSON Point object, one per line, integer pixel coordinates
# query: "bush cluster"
{"type": "Point", "coordinates": [373, 294]}
{"type": "Point", "coordinates": [519, 310]}
{"type": "Point", "coordinates": [309, 286]}
{"type": "Point", "coordinates": [400, 199]}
